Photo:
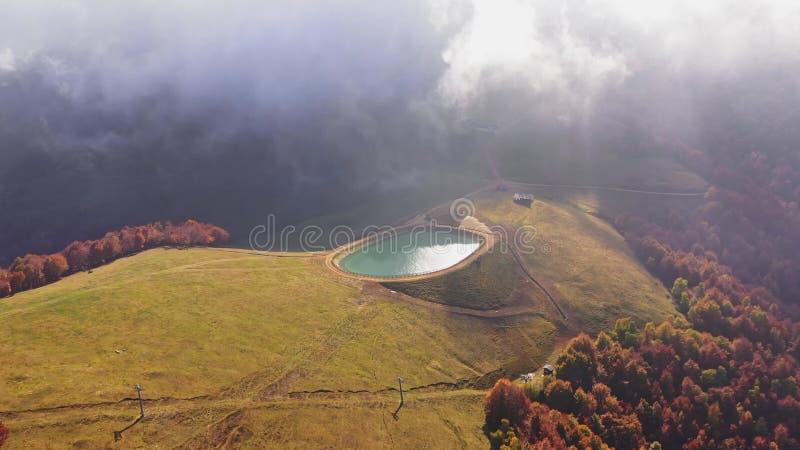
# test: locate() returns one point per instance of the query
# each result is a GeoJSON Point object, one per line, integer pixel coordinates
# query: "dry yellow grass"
{"type": "Point", "coordinates": [486, 283]}
{"type": "Point", "coordinates": [429, 420]}
{"type": "Point", "coordinates": [247, 350]}
{"type": "Point", "coordinates": [235, 329]}
{"type": "Point", "coordinates": [584, 260]}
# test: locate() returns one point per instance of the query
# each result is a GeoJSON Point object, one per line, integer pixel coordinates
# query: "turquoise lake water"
{"type": "Point", "coordinates": [412, 253]}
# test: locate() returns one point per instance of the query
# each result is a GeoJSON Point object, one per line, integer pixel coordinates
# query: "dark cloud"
{"type": "Point", "coordinates": [114, 113]}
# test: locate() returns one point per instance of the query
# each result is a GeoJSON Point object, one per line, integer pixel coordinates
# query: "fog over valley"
{"type": "Point", "coordinates": [115, 114]}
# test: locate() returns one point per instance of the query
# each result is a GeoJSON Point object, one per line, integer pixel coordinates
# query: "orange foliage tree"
{"type": "Point", "coordinates": [4, 433]}
{"type": "Point", "coordinates": [32, 271]}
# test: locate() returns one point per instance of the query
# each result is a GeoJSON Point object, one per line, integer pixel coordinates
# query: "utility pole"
{"type": "Point", "coordinates": [402, 398]}
{"type": "Point", "coordinates": [139, 390]}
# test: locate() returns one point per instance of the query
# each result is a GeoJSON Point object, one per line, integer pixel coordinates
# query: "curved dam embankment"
{"type": "Point", "coordinates": [409, 253]}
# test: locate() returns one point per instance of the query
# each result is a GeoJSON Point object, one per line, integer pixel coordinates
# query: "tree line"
{"type": "Point", "coordinates": [723, 374]}
{"type": "Point", "coordinates": [33, 271]}
{"type": "Point", "coordinates": [724, 377]}
{"type": "Point", "coordinates": [749, 220]}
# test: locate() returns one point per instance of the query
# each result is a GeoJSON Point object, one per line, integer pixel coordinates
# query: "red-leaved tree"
{"type": "Point", "coordinates": [32, 271]}
{"type": "Point", "coordinates": [506, 401]}
{"type": "Point", "coordinates": [4, 433]}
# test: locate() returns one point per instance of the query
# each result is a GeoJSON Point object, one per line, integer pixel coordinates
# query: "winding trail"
{"type": "Point", "coordinates": [270, 254]}
{"type": "Point", "coordinates": [613, 189]}
{"type": "Point", "coordinates": [227, 401]}
{"type": "Point", "coordinates": [419, 217]}
{"type": "Point", "coordinates": [530, 276]}
{"type": "Point", "coordinates": [511, 311]}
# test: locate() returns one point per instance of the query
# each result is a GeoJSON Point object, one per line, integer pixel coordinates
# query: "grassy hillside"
{"type": "Point", "coordinates": [583, 260]}
{"type": "Point", "coordinates": [267, 350]}
{"type": "Point", "coordinates": [487, 283]}
{"type": "Point", "coordinates": [234, 328]}
{"type": "Point", "coordinates": [432, 420]}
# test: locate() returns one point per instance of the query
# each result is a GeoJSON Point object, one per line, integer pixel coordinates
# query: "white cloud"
{"type": "Point", "coordinates": [573, 51]}
{"type": "Point", "coordinates": [252, 52]}
{"type": "Point", "coordinates": [7, 60]}
{"type": "Point", "coordinates": [569, 53]}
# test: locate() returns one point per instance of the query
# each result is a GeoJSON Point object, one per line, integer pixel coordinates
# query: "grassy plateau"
{"type": "Point", "coordinates": [242, 349]}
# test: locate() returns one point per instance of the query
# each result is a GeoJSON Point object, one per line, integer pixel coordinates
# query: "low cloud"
{"type": "Point", "coordinates": [573, 54]}
{"type": "Point", "coordinates": [123, 112]}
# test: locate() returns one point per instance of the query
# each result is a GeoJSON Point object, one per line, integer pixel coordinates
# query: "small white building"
{"type": "Point", "coordinates": [523, 199]}
{"type": "Point", "coordinates": [527, 377]}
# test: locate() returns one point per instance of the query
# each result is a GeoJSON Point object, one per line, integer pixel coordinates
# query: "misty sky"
{"type": "Point", "coordinates": [284, 57]}
{"type": "Point", "coordinates": [120, 112]}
